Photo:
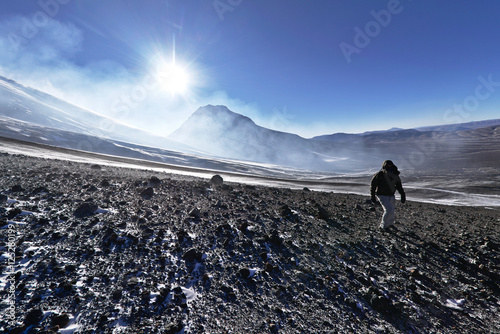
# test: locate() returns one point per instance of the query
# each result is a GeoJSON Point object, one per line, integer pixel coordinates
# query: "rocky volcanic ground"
{"type": "Point", "coordinates": [93, 249]}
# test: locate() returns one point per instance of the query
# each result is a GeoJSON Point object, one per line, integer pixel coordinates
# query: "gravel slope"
{"type": "Point", "coordinates": [91, 249]}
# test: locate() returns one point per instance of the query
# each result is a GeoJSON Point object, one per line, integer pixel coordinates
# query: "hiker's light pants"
{"type": "Point", "coordinates": [389, 205]}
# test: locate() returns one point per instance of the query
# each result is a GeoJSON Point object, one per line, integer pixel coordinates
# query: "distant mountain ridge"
{"type": "Point", "coordinates": [216, 132]}
{"type": "Point", "coordinates": [414, 132]}
{"type": "Point", "coordinates": [222, 132]}
{"type": "Point", "coordinates": [461, 126]}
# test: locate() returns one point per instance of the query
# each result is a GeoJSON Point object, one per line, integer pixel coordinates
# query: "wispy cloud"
{"type": "Point", "coordinates": [43, 56]}
{"type": "Point", "coordinates": [23, 38]}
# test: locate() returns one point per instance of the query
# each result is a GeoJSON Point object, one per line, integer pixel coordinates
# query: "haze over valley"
{"type": "Point", "coordinates": [221, 140]}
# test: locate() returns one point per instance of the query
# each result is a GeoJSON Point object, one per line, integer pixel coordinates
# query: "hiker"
{"type": "Point", "coordinates": [384, 184]}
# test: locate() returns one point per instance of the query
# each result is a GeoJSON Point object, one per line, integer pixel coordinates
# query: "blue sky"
{"type": "Point", "coordinates": [308, 67]}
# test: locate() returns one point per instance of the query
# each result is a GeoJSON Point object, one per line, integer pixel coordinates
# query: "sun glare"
{"type": "Point", "coordinates": [174, 78]}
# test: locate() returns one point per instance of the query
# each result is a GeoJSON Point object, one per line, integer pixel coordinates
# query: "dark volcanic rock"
{"type": "Point", "coordinates": [16, 188]}
{"type": "Point", "coordinates": [241, 259]}
{"type": "Point", "coordinates": [105, 183]}
{"type": "Point", "coordinates": [13, 213]}
{"type": "Point", "coordinates": [323, 213]}
{"type": "Point", "coordinates": [147, 193]}
{"type": "Point", "coordinates": [33, 316]}
{"type": "Point", "coordinates": [154, 181]}
{"type": "Point", "coordinates": [244, 272]}
{"type": "Point", "coordinates": [117, 294]}
{"type": "Point", "coordinates": [192, 255]}
{"type": "Point", "coordinates": [217, 180]}
{"type": "Point", "coordinates": [60, 320]}
{"type": "Point", "coordinates": [85, 210]}
{"type": "Point", "coordinates": [275, 238]}
{"type": "Point", "coordinates": [195, 213]}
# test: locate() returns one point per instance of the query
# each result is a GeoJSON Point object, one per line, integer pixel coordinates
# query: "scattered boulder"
{"type": "Point", "coordinates": [16, 189]}
{"type": "Point", "coordinates": [105, 183]}
{"type": "Point", "coordinates": [70, 268]}
{"type": "Point", "coordinates": [14, 213]}
{"type": "Point", "coordinates": [192, 254]}
{"type": "Point", "coordinates": [86, 209]}
{"type": "Point", "coordinates": [243, 226]}
{"type": "Point", "coordinates": [40, 190]}
{"type": "Point", "coordinates": [92, 188]}
{"type": "Point", "coordinates": [381, 304]}
{"type": "Point", "coordinates": [148, 193]}
{"type": "Point", "coordinates": [195, 213]}
{"type": "Point", "coordinates": [154, 181]}
{"type": "Point", "coordinates": [322, 213]}
{"type": "Point", "coordinates": [117, 294]}
{"type": "Point", "coordinates": [275, 238]}
{"type": "Point", "coordinates": [285, 211]}
{"type": "Point", "coordinates": [492, 246]}
{"type": "Point", "coordinates": [60, 320]}
{"type": "Point", "coordinates": [244, 272]}
{"type": "Point", "coordinates": [182, 236]}
{"type": "Point", "coordinates": [33, 316]}
{"type": "Point", "coordinates": [268, 267]}
{"type": "Point", "coordinates": [216, 180]}
{"type": "Point", "coordinates": [133, 281]}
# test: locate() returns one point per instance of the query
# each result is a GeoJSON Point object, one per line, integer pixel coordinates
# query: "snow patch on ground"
{"type": "Point", "coordinates": [190, 294]}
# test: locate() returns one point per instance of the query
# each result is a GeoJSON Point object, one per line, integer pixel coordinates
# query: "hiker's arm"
{"type": "Point", "coordinates": [399, 187]}
{"type": "Point", "coordinates": [373, 188]}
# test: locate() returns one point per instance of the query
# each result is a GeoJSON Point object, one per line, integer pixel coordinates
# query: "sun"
{"type": "Point", "coordinates": [174, 78]}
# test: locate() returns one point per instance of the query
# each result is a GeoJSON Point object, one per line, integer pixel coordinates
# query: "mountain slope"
{"type": "Point", "coordinates": [32, 115]}
{"type": "Point", "coordinates": [219, 131]}
{"type": "Point", "coordinates": [29, 105]}
{"type": "Point", "coordinates": [21, 137]}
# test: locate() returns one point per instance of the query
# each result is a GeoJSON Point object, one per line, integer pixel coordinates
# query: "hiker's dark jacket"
{"type": "Point", "coordinates": [381, 186]}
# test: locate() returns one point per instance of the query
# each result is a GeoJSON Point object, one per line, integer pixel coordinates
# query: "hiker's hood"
{"type": "Point", "coordinates": [390, 167]}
